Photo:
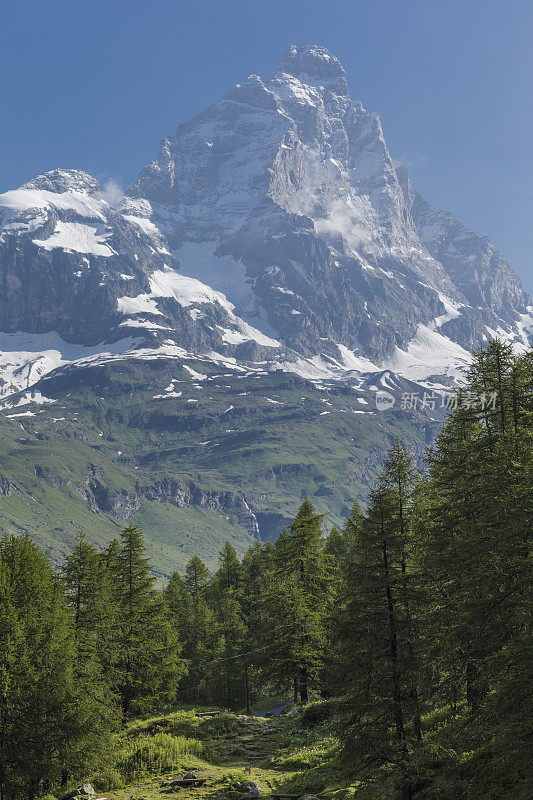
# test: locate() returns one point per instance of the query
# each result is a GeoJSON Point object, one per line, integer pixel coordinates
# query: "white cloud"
{"type": "Point", "coordinates": [112, 192]}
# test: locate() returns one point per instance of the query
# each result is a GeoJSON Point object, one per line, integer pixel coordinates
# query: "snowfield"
{"type": "Point", "coordinates": [189, 291]}
{"type": "Point", "coordinates": [79, 238]}
{"type": "Point", "coordinates": [428, 353]}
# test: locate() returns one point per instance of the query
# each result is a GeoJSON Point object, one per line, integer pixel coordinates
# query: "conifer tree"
{"type": "Point", "coordinates": [50, 726]}
{"type": "Point", "coordinates": [225, 675]}
{"type": "Point", "coordinates": [228, 574]}
{"type": "Point", "coordinates": [474, 523]}
{"type": "Point", "coordinates": [229, 567]}
{"type": "Point", "coordinates": [338, 546]}
{"type": "Point", "coordinates": [256, 583]}
{"type": "Point", "coordinates": [256, 580]}
{"type": "Point", "coordinates": [198, 630]}
{"type": "Point", "coordinates": [88, 593]}
{"type": "Point", "coordinates": [196, 577]}
{"type": "Point", "coordinates": [375, 628]}
{"type": "Point", "coordinates": [339, 553]}
{"type": "Point", "coordinates": [296, 604]}
{"type": "Point", "coordinates": [149, 667]}
{"type": "Point", "coordinates": [177, 600]}
{"type": "Point", "coordinates": [398, 476]}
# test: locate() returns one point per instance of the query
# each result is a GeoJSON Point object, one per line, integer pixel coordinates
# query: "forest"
{"type": "Point", "coordinates": [407, 632]}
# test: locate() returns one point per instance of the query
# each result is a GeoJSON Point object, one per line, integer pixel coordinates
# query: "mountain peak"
{"type": "Point", "coordinates": [64, 180]}
{"type": "Point", "coordinates": [315, 65]}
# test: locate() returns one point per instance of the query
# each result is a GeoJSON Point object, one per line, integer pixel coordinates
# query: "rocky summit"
{"type": "Point", "coordinates": [212, 340]}
{"type": "Point", "coordinates": [283, 195]}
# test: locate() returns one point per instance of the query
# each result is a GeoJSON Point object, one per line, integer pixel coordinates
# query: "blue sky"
{"type": "Point", "coordinates": [96, 85]}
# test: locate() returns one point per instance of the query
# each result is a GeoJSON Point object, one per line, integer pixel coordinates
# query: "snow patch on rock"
{"type": "Point", "coordinates": [78, 238]}
{"type": "Point", "coordinates": [228, 277]}
{"type": "Point", "coordinates": [25, 358]}
{"type": "Point", "coordinates": [428, 353]}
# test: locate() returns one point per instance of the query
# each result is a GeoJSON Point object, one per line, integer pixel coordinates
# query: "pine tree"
{"type": "Point", "coordinates": [49, 724]}
{"type": "Point", "coordinates": [88, 593]}
{"type": "Point", "coordinates": [229, 568]}
{"type": "Point", "coordinates": [398, 476]}
{"type": "Point", "coordinates": [256, 582]}
{"type": "Point", "coordinates": [339, 553]}
{"type": "Point", "coordinates": [149, 667]}
{"type": "Point", "coordinates": [198, 631]}
{"type": "Point", "coordinates": [177, 600]}
{"type": "Point", "coordinates": [375, 627]}
{"type": "Point", "coordinates": [338, 546]}
{"type": "Point", "coordinates": [296, 604]}
{"type": "Point", "coordinates": [474, 523]}
{"type": "Point", "coordinates": [225, 675]}
{"type": "Point", "coordinates": [256, 571]}
{"type": "Point", "coordinates": [196, 577]}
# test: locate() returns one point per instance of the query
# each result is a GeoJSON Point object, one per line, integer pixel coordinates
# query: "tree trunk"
{"type": "Point", "coordinates": [475, 689]}
{"type": "Point", "coordinates": [304, 695]}
{"type": "Point", "coordinates": [393, 649]}
{"type": "Point", "coordinates": [407, 790]}
{"type": "Point", "coordinates": [246, 688]}
{"type": "Point", "coordinates": [417, 717]}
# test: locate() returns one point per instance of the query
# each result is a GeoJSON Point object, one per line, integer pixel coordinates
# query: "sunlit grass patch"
{"type": "Point", "coordinates": [308, 756]}
{"type": "Point", "coordinates": [156, 755]}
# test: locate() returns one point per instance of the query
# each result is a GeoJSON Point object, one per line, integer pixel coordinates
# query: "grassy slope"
{"type": "Point", "coordinates": [107, 424]}
{"type": "Point", "coordinates": [300, 755]}
{"type": "Point", "coordinates": [277, 754]}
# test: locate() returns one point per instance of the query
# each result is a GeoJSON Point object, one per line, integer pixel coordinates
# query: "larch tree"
{"type": "Point", "coordinates": [149, 663]}
{"type": "Point", "coordinates": [297, 602]}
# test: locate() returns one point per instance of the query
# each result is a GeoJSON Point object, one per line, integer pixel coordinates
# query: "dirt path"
{"type": "Point", "coordinates": [274, 711]}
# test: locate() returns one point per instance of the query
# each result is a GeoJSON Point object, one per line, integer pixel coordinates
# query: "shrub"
{"type": "Point", "coordinates": [316, 713]}
{"type": "Point", "coordinates": [152, 755]}
{"type": "Point", "coordinates": [218, 726]}
{"type": "Point", "coordinates": [108, 780]}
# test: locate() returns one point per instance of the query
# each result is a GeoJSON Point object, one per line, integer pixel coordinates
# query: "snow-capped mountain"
{"type": "Point", "coordinates": [86, 276]}
{"type": "Point", "coordinates": [200, 353]}
{"type": "Point", "coordinates": [274, 227]}
{"type": "Point", "coordinates": [291, 182]}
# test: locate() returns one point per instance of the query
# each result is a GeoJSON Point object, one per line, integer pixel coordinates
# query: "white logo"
{"type": "Point", "coordinates": [384, 400]}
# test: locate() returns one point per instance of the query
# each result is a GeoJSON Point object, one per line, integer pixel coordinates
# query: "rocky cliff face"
{"type": "Point", "coordinates": [84, 274]}
{"type": "Point", "coordinates": [122, 504]}
{"type": "Point", "coordinates": [5, 486]}
{"type": "Point", "coordinates": [293, 181]}
{"type": "Point", "coordinates": [65, 256]}
{"type": "Point", "coordinates": [480, 273]}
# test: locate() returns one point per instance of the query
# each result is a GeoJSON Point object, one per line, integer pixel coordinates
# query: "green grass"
{"type": "Point", "coordinates": [112, 430]}
{"type": "Point", "coordinates": [281, 754]}
{"type": "Point", "coordinates": [308, 756]}
{"type": "Point", "coordinates": [278, 754]}
{"type": "Point", "coordinates": [156, 755]}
